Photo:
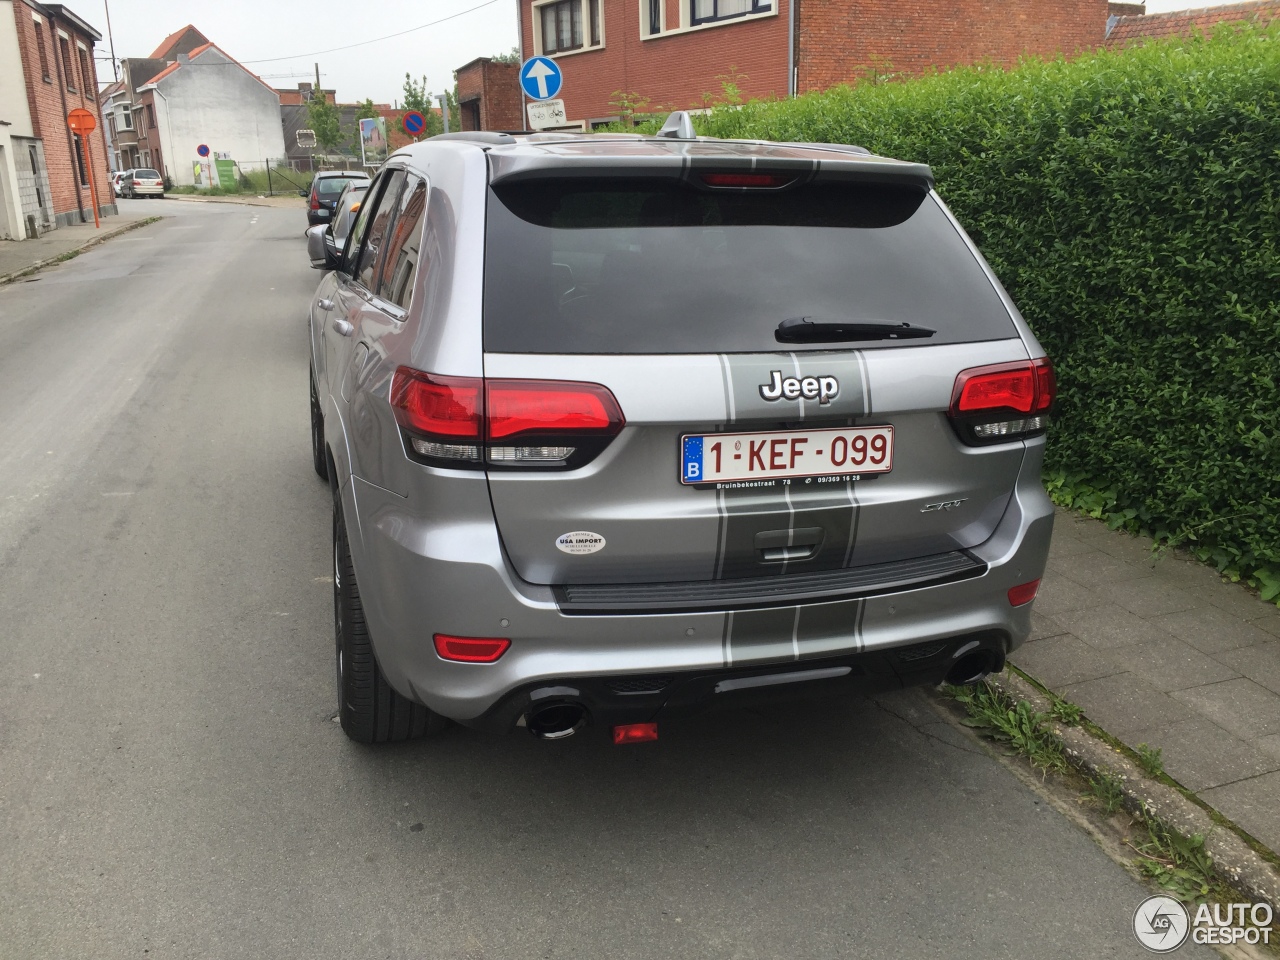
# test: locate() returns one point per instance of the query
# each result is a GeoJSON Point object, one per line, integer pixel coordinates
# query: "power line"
{"type": "Point", "coordinates": [390, 36]}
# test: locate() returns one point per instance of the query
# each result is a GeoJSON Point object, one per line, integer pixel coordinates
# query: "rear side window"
{"type": "Point", "coordinates": [365, 272]}
{"type": "Point", "coordinates": [400, 265]}
{"type": "Point", "coordinates": [594, 265]}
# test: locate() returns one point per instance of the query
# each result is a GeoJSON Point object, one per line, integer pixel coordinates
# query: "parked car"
{"type": "Point", "coordinates": [325, 190]}
{"type": "Point", "coordinates": [333, 235]}
{"type": "Point", "coordinates": [117, 179]}
{"type": "Point", "coordinates": [668, 423]}
{"type": "Point", "coordinates": [142, 182]}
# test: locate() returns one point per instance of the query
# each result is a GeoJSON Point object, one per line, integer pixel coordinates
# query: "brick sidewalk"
{"type": "Point", "coordinates": [1164, 652]}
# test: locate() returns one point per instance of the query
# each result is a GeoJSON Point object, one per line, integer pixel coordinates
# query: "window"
{"type": "Point", "coordinates": [365, 272]}
{"type": "Point", "coordinates": [655, 16]}
{"type": "Point", "coordinates": [401, 263]}
{"type": "Point", "coordinates": [67, 68]}
{"type": "Point", "coordinates": [126, 118]}
{"type": "Point", "coordinates": [151, 117]}
{"type": "Point", "coordinates": [561, 26]}
{"type": "Point", "coordinates": [653, 265]}
{"type": "Point", "coordinates": [44, 57]}
{"type": "Point", "coordinates": [86, 77]}
{"type": "Point", "coordinates": [709, 11]}
{"type": "Point", "coordinates": [80, 167]}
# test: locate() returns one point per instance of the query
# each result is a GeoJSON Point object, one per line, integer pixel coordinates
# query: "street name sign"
{"type": "Point", "coordinates": [540, 78]}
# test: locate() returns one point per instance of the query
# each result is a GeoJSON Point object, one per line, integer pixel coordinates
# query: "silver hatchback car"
{"type": "Point", "coordinates": [620, 428]}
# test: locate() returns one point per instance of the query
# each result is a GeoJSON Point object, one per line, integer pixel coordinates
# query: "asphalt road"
{"type": "Point", "coordinates": [171, 782]}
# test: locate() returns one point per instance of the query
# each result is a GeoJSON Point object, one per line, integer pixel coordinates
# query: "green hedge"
{"type": "Point", "coordinates": [1129, 202]}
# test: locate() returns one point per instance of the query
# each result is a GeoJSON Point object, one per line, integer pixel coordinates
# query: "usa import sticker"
{"type": "Point", "coordinates": [580, 542]}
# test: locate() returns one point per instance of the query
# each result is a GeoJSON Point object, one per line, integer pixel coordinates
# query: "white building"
{"type": "Point", "coordinates": [206, 98]}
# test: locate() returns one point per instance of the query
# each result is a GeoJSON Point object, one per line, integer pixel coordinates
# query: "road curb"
{"type": "Point", "coordinates": [1234, 860]}
{"type": "Point", "coordinates": [91, 242]}
{"type": "Point", "coordinates": [192, 198]}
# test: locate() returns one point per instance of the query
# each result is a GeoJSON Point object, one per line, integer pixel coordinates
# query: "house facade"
{"type": "Point", "coordinates": [190, 92]}
{"type": "Point", "coordinates": [47, 173]}
{"type": "Point", "coordinates": [619, 56]}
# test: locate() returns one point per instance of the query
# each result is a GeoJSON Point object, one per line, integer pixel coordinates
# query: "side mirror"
{"type": "Point", "coordinates": [323, 256]}
{"type": "Point", "coordinates": [303, 193]}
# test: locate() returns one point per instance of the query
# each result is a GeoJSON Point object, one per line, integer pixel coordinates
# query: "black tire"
{"type": "Point", "coordinates": [318, 459]}
{"type": "Point", "coordinates": [370, 711]}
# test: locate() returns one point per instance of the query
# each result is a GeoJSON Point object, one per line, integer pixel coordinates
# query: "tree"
{"type": "Point", "coordinates": [418, 97]}
{"type": "Point", "coordinates": [324, 119]}
{"type": "Point", "coordinates": [509, 58]}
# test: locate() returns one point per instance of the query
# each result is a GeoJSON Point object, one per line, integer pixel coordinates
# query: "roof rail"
{"type": "Point", "coordinates": [678, 127]}
{"type": "Point", "coordinates": [477, 136]}
{"type": "Point", "coordinates": [841, 147]}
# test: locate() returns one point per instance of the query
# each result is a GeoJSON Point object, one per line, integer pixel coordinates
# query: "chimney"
{"type": "Point", "coordinates": [304, 90]}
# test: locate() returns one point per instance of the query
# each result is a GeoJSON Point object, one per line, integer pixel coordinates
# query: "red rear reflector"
{"type": "Point", "coordinates": [635, 732]}
{"type": "Point", "coordinates": [1023, 593]}
{"type": "Point", "coordinates": [441, 406]}
{"type": "Point", "coordinates": [470, 649]}
{"type": "Point", "coordinates": [548, 406]}
{"type": "Point", "coordinates": [745, 180]}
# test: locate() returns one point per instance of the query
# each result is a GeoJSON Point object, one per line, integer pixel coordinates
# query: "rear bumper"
{"type": "Point", "coordinates": [147, 191]}
{"type": "Point", "coordinates": [631, 698]}
{"type": "Point", "coordinates": [441, 568]}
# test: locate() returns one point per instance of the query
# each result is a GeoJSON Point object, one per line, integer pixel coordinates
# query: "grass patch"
{"type": "Point", "coordinates": [1150, 759]}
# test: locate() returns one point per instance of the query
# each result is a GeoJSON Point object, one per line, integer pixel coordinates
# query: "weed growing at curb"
{"type": "Point", "coordinates": [1066, 712]}
{"type": "Point", "coordinates": [1150, 760]}
{"type": "Point", "coordinates": [1179, 864]}
{"type": "Point", "coordinates": [1018, 725]}
{"type": "Point", "coordinates": [1108, 790]}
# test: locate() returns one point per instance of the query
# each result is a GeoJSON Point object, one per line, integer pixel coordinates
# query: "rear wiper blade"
{"type": "Point", "coordinates": [804, 330]}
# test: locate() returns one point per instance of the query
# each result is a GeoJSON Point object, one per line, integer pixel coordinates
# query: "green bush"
{"type": "Point", "coordinates": [1130, 202]}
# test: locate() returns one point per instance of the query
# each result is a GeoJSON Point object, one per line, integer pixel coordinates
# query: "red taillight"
{"type": "Point", "coordinates": [440, 406]}
{"type": "Point", "coordinates": [137, 183]}
{"type": "Point", "coordinates": [635, 732]}
{"type": "Point", "coordinates": [1023, 593]}
{"type": "Point", "coordinates": [756, 180]}
{"type": "Point", "coordinates": [1002, 402]}
{"type": "Point", "coordinates": [509, 423]}
{"type": "Point", "coordinates": [315, 202]}
{"type": "Point", "coordinates": [547, 406]}
{"type": "Point", "coordinates": [470, 649]}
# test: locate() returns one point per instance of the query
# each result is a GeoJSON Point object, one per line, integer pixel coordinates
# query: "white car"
{"type": "Point", "coordinates": [117, 179]}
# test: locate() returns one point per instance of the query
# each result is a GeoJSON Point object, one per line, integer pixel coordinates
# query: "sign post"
{"type": "Point", "coordinates": [82, 123]}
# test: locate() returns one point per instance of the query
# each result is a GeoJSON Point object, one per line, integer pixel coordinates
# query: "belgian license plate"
{"type": "Point", "coordinates": [732, 457]}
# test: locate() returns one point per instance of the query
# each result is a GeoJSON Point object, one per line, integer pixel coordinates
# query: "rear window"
{"type": "Point", "coordinates": [594, 265]}
{"type": "Point", "coordinates": [331, 186]}
{"type": "Point", "coordinates": [146, 175]}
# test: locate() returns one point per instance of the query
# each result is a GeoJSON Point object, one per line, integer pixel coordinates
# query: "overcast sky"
{"type": "Point", "coordinates": [294, 36]}
{"type": "Point", "coordinates": [256, 30]}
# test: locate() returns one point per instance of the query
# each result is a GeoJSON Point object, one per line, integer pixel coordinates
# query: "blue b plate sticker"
{"type": "Point", "coordinates": [691, 470]}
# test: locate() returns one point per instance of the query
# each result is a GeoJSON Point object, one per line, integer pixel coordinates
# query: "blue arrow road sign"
{"type": "Point", "coordinates": [540, 78]}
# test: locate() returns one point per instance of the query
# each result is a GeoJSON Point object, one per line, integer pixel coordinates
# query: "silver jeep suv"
{"type": "Point", "coordinates": [619, 428]}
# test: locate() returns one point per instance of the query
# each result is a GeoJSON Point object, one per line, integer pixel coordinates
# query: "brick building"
{"type": "Point", "coordinates": [1133, 26]}
{"type": "Point", "coordinates": [489, 96]}
{"type": "Point", "coordinates": [46, 71]}
{"type": "Point", "coordinates": [677, 54]}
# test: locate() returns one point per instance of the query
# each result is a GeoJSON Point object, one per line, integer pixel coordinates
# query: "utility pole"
{"type": "Point", "coordinates": [115, 70]}
{"type": "Point", "coordinates": [317, 78]}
